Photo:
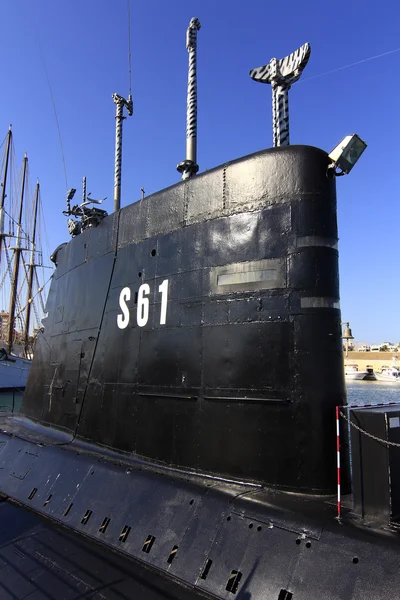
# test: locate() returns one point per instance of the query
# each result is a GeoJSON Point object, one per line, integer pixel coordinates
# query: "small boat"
{"type": "Point", "coordinates": [352, 373]}
{"type": "Point", "coordinates": [389, 374]}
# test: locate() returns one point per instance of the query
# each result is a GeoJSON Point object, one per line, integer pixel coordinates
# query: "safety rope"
{"type": "Point", "coordinates": [370, 435]}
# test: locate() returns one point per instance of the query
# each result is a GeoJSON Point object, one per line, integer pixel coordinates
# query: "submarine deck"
{"type": "Point", "coordinates": [40, 560]}
{"type": "Point", "coordinates": [136, 531]}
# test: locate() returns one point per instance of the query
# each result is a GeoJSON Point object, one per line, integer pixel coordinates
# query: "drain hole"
{"type": "Point", "coordinates": [148, 544]}
{"type": "Point", "coordinates": [191, 502]}
{"type": "Point", "coordinates": [123, 536]}
{"type": "Point", "coordinates": [86, 517]}
{"type": "Point", "coordinates": [206, 569]}
{"type": "Point", "coordinates": [33, 492]}
{"type": "Point", "coordinates": [259, 528]}
{"type": "Point", "coordinates": [355, 560]}
{"type": "Point", "coordinates": [104, 525]}
{"type": "Point", "coordinates": [285, 595]}
{"type": "Point", "coordinates": [48, 500]}
{"type": "Point", "coordinates": [173, 554]}
{"type": "Point", "coordinates": [153, 252]}
{"type": "Point", "coordinates": [233, 581]}
{"type": "Point", "coordinates": [308, 544]}
{"type": "Point", "coordinates": [68, 509]}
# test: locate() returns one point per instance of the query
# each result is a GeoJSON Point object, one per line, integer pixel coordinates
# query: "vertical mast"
{"type": "Point", "coordinates": [189, 166]}
{"type": "Point", "coordinates": [17, 257]}
{"type": "Point", "coordinates": [3, 189]}
{"type": "Point", "coordinates": [30, 274]}
{"type": "Point", "coordinates": [119, 117]}
{"type": "Point", "coordinates": [281, 74]}
{"type": "Point", "coordinates": [84, 189]}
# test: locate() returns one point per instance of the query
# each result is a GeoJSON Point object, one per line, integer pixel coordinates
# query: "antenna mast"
{"type": "Point", "coordinates": [30, 274]}
{"type": "Point", "coordinates": [17, 257]}
{"type": "Point", "coordinates": [281, 74]}
{"type": "Point", "coordinates": [189, 167]}
{"type": "Point", "coordinates": [84, 189]}
{"type": "Point", "coordinates": [119, 117]}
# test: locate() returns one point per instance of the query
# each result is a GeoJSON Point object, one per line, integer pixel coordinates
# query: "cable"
{"type": "Point", "coordinates": [55, 113]}
{"type": "Point", "coordinates": [129, 47]}
{"type": "Point", "coordinates": [358, 62]}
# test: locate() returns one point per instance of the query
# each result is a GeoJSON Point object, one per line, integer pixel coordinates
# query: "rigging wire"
{"type": "Point", "coordinates": [40, 288]}
{"type": "Point", "coordinates": [2, 143]}
{"type": "Point", "coordinates": [42, 234]}
{"type": "Point", "coordinates": [129, 47]}
{"type": "Point", "coordinates": [55, 112]}
{"type": "Point", "coordinates": [38, 292]}
{"type": "Point", "coordinates": [358, 62]}
{"type": "Point", "coordinates": [14, 221]}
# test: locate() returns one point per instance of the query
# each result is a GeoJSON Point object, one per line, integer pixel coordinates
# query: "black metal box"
{"type": "Point", "coordinates": [376, 462]}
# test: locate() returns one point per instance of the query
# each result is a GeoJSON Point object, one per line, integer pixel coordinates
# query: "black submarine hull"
{"type": "Point", "coordinates": [199, 327]}
{"type": "Point", "coordinates": [170, 534]}
{"type": "Point", "coordinates": [187, 428]}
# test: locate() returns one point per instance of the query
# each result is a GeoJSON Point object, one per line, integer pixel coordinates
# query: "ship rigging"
{"type": "Point", "coordinates": [22, 272]}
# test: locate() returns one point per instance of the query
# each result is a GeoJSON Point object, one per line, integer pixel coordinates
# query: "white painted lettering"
{"type": "Point", "coordinates": [124, 297]}
{"type": "Point", "coordinates": [163, 289]}
{"type": "Point", "coordinates": [142, 313]}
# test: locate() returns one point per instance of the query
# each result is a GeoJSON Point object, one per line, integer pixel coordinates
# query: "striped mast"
{"type": "Point", "coordinates": [84, 189]}
{"type": "Point", "coordinates": [189, 166]}
{"type": "Point", "coordinates": [31, 270]}
{"type": "Point", "coordinates": [281, 74]}
{"type": "Point", "coordinates": [120, 103]}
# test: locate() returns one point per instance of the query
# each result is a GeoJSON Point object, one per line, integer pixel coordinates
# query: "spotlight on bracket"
{"type": "Point", "coordinates": [345, 155]}
{"type": "Point", "coordinates": [71, 193]}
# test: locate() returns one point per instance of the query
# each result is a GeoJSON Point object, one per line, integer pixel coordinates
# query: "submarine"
{"type": "Point", "coordinates": [184, 432]}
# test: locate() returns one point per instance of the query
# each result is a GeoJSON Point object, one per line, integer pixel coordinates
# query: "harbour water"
{"type": "Point", "coordinates": [372, 392]}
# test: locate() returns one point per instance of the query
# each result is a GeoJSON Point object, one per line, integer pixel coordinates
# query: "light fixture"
{"type": "Point", "coordinates": [71, 193]}
{"type": "Point", "coordinates": [345, 155]}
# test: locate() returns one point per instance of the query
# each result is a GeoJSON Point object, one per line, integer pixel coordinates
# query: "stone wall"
{"type": "Point", "coordinates": [375, 359]}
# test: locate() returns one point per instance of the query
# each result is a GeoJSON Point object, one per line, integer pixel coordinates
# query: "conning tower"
{"type": "Point", "coordinates": [207, 323]}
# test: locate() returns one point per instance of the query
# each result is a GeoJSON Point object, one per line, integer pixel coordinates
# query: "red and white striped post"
{"type": "Point", "coordinates": [338, 461]}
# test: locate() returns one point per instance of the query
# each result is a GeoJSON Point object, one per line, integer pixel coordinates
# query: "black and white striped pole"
{"type": "Point", "coordinates": [120, 103]}
{"type": "Point", "coordinates": [83, 189]}
{"type": "Point", "coordinates": [281, 74]}
{"type": "Point", "coordinates": [189, 166]}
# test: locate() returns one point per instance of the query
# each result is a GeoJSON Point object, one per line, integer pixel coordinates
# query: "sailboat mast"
{"type": "Point", "coordinates": [30, 273]}
{"type": "Point", "coordinates": [3, 188]}
{"type": "Point", "coordinates": [17, 258]}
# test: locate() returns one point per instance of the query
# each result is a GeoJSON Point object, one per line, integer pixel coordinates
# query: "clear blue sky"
{"type": "Point", "coordinates": [84, 44]}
